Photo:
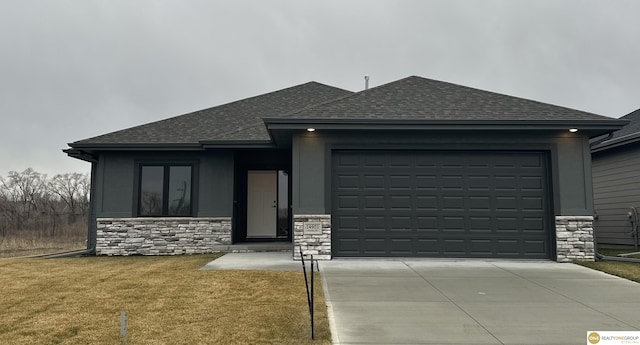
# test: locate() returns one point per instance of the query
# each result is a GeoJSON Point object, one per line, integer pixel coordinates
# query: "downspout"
{"type": "Point", "coordinates": [91, 224]}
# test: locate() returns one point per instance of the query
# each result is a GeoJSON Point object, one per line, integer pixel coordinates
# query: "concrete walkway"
{"type": "Point", "coordinates": [474, 302]}
{"type": "Point", "coordinates": [470, 302]}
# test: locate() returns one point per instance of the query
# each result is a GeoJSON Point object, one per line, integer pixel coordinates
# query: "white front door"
{"type": "Point", "coordinates": [262, 206]}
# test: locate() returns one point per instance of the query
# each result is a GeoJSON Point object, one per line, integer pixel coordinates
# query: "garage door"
{"type": "Point", "coordinates": [484, 204]}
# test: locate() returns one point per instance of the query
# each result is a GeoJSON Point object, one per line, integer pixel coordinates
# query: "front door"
{"type": "Point", "coordinates": [262, 203]}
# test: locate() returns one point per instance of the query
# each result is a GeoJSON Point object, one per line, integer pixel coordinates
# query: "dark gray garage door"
{"type": "Point", "coordinates": [440, 204]}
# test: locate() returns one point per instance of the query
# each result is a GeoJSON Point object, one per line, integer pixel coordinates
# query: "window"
{"type": "Point", "coordinates": [165, 190]}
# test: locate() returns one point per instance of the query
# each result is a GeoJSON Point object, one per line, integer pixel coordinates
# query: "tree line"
{"type": "Point", "coordinates": [33, 202]}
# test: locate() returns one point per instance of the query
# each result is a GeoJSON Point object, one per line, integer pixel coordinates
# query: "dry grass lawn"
{"type": "Point", "coordinates": [167, 299]}
{"type": "Point", "coordinates": [628, 270]}
{"type": "Point", "coordinates": [32, 244]}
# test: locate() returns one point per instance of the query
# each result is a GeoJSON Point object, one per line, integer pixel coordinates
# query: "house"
{"type": "Point", "coordinates": [412, 168]}
{"type": "Point", "coordinates": [616, 185]}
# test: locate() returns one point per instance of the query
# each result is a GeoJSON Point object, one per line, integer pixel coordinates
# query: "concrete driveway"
{"type": "Point", "coordinates": [418, 301]}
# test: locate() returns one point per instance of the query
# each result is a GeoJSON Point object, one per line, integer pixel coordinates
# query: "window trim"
{"type": "Point", "coordinates": [166, 164]}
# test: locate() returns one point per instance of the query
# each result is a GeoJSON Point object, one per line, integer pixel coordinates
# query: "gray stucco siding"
{"type": "Point", "coordinates": [574, 176]}
{"type": "Point", "coordinates": [216, 185]}
{"type": "Point", "coordinates": [308, 186]}
{"type": "Point", "coordinates": [115, 185]}
{"type": "Point", "coordinates": [116, 192]}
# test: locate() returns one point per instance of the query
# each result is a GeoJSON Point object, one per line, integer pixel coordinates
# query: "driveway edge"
{"type": "Point", "coordinates": [327, 301]}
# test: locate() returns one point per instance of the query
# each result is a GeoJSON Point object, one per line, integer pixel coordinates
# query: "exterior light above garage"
{"type": "Point", "coordinates": [311, 129]}
{"type": "Point", "coordinates": [573, 130]}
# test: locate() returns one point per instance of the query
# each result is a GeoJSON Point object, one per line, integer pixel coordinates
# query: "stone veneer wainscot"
{"type": "Point", "coordinates": [161, 236]}
{"type": "Point", "coordinates": [574, 238]}
{"type": "Point", "coordinates": [317, 245]}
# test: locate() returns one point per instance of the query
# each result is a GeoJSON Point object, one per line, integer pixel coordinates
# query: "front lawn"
{"type": "Point", "coordinates": [167, 300]}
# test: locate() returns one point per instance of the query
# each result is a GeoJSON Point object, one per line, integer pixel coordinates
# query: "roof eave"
{"type": "Point", "coordinates": [237, 144]}
{"type": "Point", "coordinates": [80, 154]}
{"type": "Point", "coordinates": [592, 127]}
{"type": "Point", "coordinates": [135, 146]}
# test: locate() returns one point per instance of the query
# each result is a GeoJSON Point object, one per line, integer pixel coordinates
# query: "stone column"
{"type": "Point", "coordinates": [574, 238]}
{"type": "Point", "coordinates": [318, 245]}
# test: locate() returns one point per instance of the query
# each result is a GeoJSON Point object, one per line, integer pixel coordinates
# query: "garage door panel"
{"type": "Point", "coordinates": [374, 202]}
{"type": "Point", "coordinates": [481, 247]}
{"type": "Point", "coordinates": [449, 204]}
{"type": "Point", "coordinates": [533, 183]}
{"type": "Point", "coordinates": [532, 203]}
{"type": "Point", "coordinates": [426, 182]}
{"type": "Point", "coordinates": [374, 161]}
{"type": "Point", "coordinates": [480, 224]}
{"type": "Point", "coordinates": [427, 223]}
{"type": "Point", "coordinates": [348, 181]}
{"type": "Point", "coordinates": [426, 202]}
{"type": "Point", "coordinates": [397, 224]}
{"type": "Point", "coordinates": [533, 224]}
{"type": "Point", "coordinates": [350, 246]}
{"type": "Point", "coordinates": [453, 223]}
{"type": "Point", "coordinates": [505, 203]}
{"type": "Point", "coordinates": [346, 202]}
{"type": "Point", "coordinates": [346, 223]}
{"type": "Point", "coordinates": [400, 202]}
{"type": "Point", "coordinates": [452, 182]}
{"type": "Point", "coordinates": [374, 182]}
{"type": "Point", "coordinates": [479, 203]}
{"type": "Point", "coordinates": [374, 222]}
{"type": "Point", "coordinates": [534, 248]}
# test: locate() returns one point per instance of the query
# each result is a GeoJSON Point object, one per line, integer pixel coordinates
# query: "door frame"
{"type": "Point", "coordinates": [258, 159]}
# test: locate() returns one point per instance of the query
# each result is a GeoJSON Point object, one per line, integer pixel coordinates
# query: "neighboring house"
{"type": "Point", "coordinates": [413, 168]}
{"type": "Point", "coordinates": [616, 185]}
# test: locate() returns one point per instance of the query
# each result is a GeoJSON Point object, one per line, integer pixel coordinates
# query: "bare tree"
{"type": "Point", "coordinates": [24, 189]}
{"type": "Point", "coordinates": [72, 189]}
{"type": "Point", "coordinates": [31, 202]}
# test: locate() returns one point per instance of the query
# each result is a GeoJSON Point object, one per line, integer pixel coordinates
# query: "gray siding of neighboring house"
{"type": "Point", "coordinates": [116, 175]}
{"type": "Point", "coordinates": [616, 187]}
{"type": "Point", "coordinates": [569, 156]}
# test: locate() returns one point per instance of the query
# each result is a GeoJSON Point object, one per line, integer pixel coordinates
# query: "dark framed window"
{"type": "Point", "coordinates": [165, 190]}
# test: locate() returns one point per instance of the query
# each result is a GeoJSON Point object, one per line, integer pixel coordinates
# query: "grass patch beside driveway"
{"type": "Point", "coordinates": [627, 270]}
{"type": "Point", "coordinates": [167, 299]}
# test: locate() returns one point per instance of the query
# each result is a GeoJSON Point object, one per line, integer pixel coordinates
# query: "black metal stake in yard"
{"type": "Point", "coordinates": [310, 299]}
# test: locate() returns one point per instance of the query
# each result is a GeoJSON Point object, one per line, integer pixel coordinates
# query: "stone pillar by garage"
{"type": "Point", "coordinates": [318, 245]}
{"type": "Point", "coordinates": [574, 238]}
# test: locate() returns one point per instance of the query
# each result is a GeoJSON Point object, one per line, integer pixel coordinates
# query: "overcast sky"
{"type": "Point", "coordinates": [70, 70]}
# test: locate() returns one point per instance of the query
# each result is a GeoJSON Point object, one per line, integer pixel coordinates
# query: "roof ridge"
{"type": "Point", "coordinates": [353, 94]}
{"type": "Point", "coordinates": [423, 79]}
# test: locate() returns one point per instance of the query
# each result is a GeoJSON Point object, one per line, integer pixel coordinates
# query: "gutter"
{"type": "Point", "coordinates": [599, 141]}
{"type": "Point", "coordinates": [611, 143]}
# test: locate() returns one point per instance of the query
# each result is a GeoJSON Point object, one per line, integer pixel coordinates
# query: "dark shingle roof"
{"type": "Point", "coordinates": [241, 120]}
{"type": "Point", "coordinates": [417, 98]}
{"type": "Point", "coordinates": [409, 99]}
{"type": "Point", "coordinates": [633, 126]}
